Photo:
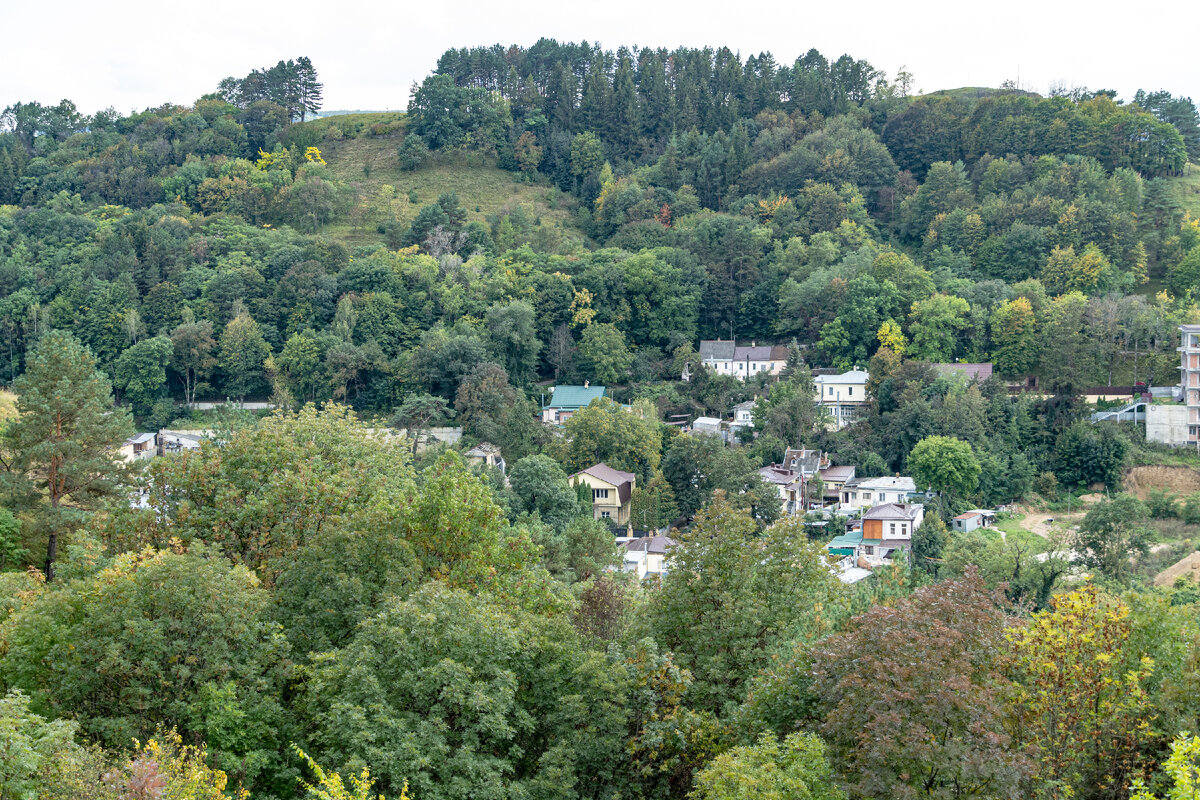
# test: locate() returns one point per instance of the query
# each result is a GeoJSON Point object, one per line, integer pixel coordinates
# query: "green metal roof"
{"type": "Point", "coordinates": [574, 396]}
{"type": "Point", "coordinates": [847, 540]}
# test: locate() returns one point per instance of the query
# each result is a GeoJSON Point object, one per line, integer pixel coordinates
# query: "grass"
{"type": "Point", "coordinates": [370, 166]}
{"type": "Point", "coordinates": [1187, 189]}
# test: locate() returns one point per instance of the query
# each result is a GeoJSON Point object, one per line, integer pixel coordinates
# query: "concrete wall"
{"type": "Point", "coordinates": [1167, 424]}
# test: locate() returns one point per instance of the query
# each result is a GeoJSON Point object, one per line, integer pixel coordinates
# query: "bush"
{"type": "Point", "coordinates": [412, 152]}
{"type": "Point", "coordinates": [1046, 485]}
{"type": "Point", "coordinates": [1191, 510]}
{"type": "Point", "coordinates": [1162, 504]}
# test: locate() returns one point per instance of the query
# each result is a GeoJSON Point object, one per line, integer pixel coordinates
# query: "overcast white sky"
{"type": "Point", "coordinates": [135, 54]}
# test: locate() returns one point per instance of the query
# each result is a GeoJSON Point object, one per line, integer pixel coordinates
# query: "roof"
{"type": "Point", "coordinates": [650, 544]}
{"type": "Point", "coordinates": [573, 396]}
{"type": "Point", "coordinates": [849, 539]}
{"type": "Point", "coordinates": [778, 475]}
{"type": "Point", "coordinates": [710, 421]}
{"type": "Point", "coordinates": [969, 515]}
{"type": "Point", "coordinates": [717, 349]}
{"type": "Point", "coordinates": [607, 474]}
{"type": "Point", "coordinates": [807, 461]}
{"type": "Point", "coordinates": [140, 438]}
{"type": "Point", "coordinates": [747, 404]}
{"type": "Point", "coordinates": [851, 376]}
{"type": "Point", "coordinates": [892, 511]}
{"type": "Point", "coordinates": [975, 372]}
{"type": "Point", "coordinates": [483, 449]}
{"type": "Point", "coordinates": [837, 473]}
{"type": "Point", "coordinates": [899, 483]}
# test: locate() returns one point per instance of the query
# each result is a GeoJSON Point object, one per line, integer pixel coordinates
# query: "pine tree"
{"type": "Point", "coordinates": [60, 453]}
{"type": "Point", "coordinates": [310, 88]}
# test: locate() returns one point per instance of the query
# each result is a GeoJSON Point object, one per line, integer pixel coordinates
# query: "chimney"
{"type": "Point", "coordinates": [586, 384]}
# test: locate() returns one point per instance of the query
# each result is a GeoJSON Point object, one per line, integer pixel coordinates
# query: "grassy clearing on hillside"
{"type": "Point", "coordinates": [8, 405]}
{"type": "Point", "coordinates": [1187, 187]}
{"type": "Point", "coordinates": [369, 165]}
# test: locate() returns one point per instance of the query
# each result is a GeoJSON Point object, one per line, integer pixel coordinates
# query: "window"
{"type": "Point", "coordinates": [866, 495]}
{"type": "Point", "coordinates": [869, 550]}
{"type": "Point", "coordinates": [831, 391]}
{"type": "Point", "coordinates": [849, 391]}
{"type": "Point", "coordinates": [599, 494]}
{"type": "Point", "coordinates": [605, 515]}
{"type": "Point", "coordinates": [891, 529]}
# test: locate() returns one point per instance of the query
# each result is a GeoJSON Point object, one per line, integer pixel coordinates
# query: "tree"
{"type": "Point", "coordinates": [1081, 704]}
{"type": "Point", "coordinates": [770, 770]}
{"type": "Point", "coordinates": [922, 681]}
{"type": "Point", "coordinates": [141, 372]}
{"type": "Point", "coordinates": [788, 412]}
{"type": "Point", "coordinates": [603, 353]}
{"type": "Point", "coordinates": [61, 448]}
{"type": "Point", "coordinates": [928, 541]}
{"type": "Point", "coordinates": [299, 364]}
{"type": "Point", "coordinates": [31, 747]}
{"type": "Point", "coordinates": [731, 596]}
{"type": "Point", "coordinates": [172, 639]}
{"type": "Point", "coordinates": [934, 326]}
{"type": "Point", "coordinates": [945, 463]}
{"type": "Point", "coordinates": [1113, 533]}
{"type": "Point", "coordinates": [243, 351]}
{"type": "Point", "coordinates": [1014, 336]}
{"type": "Point", "coordinates": [1085, 454]}
{"type": "Point", "coordinates": [606, 432]}
{"type": "Point", "coordinates": [418, 413]}
{"type": "Point", "coordinates": [192, 347]}
{"type": "Point", "coordinates": [540, 486]}
{"type": "Point", "coordinates": [513, 332]}
{"type": "Point", "coordinates": [652, 506]}
{"type": "Point", "coordinates": [1183, 767]}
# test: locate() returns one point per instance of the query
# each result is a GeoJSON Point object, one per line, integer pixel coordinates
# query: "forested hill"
{"type": "Point", "coordinates": [606, 209]}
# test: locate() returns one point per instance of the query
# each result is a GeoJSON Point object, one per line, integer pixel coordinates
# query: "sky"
{"type": "Point", "coordinates": [136, 54]}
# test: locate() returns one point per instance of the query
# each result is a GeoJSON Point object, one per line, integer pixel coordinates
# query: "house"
{"type": "Point", "coordinates": [611, 490]}
{"type": "Point", "coordinates": [973, 520]}
{"type": "Point", "coordinates": [789, 484]}
{"type": "Point", "coordinates": [726, 357]}
{"type": "Point", "coordinates": [566, 400]}
{"type": "Point", "coordinates": [844, 395]}
{"type": "Point", "coordinates": [833, 479]}
{"type": "Point", "coordinates": [743, 415]}
{"type": "Point", "coordinates": [972, 372]}
{"type": "Point", "coordinates": [710, 425]}
{"type": "Point", "coordinates": [647, 555]}
{"type": "Point", "coordinates": [887, 528]}
{"type": "Point", "coordinates": [806, 462]}
{"type": "Point", "coordinates": [487, 454]}
{"type": "Point", "coordinates": [140, 446]}
{"type": "Point", "coordinates": [866, 492]}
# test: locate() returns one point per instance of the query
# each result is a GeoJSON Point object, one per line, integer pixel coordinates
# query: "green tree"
{"type": "Point", "coordinates": [60, 450]}
{"type": "Point", "coordinates": [934, 326]}
{"type": "Point", "coordinates": [652, 506]}
{"type": "Point", "coordinates": [1014, 336]}
{"type": "Point", "coordinates": [31, 747]}
{"type": "Point", "coordinates": [243, 350]}
{"type": "Point", "coordinates": [928, 542]}
{"type": "Point", "coordinates": [1113, 533]}
{"type": "Point", "coordinates": [192, 348]}
{"type": "Point", "coordinates": [513, 332]}
{"type": "Point", "coordinates": [158, 639]}
{"type": "Point", "coordinates": [770, 770]}
{"type": "Point", "coordinates": [606, 432]}
{"type": "Point", "coordinates": [789, 412]}
{"type": "Point", "coordinates": [732, 594]}
{"type": "Point", "coordinates": [540, 486]}
{"type": "Point", "coordinates": [1085, 454]}
{"type": "Point", "coordinates": [603, 353]}
{"type": "Point", "coordinates": [141, 372]}
{"type": "Point", "coordinates": [418, 413]}
{"type": "Point", "coordinates": [945, 463]}
{"type": "Point", "coordinates": [300, 365]}
{"type": "Point", "coordinates": [11, 551]}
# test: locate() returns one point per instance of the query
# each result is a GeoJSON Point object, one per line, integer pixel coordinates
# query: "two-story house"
{"type": "Point", "coordinates": [726, 357]}
{"type": "Point", "coordinates": [866, 492]}
{"type": "Point", "coordinates": [887, 528]}
{"type": "Point", "coordinates": [833, 479]}
{"type": "Point", "coordinates": [611, 491]}
{"type": "Point", "coordinates": [743, 415]}
{"type": "Point", "coordinates": [843, 395]}
{"type": "Point", "coordinates": [647, 556]}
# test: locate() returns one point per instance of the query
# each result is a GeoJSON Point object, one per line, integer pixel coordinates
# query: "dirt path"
{"type": "Point", "coordinates": [1189, 565]}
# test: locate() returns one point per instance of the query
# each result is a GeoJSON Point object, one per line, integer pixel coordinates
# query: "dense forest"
{"type": "Point", "coordinates": [311, 605]}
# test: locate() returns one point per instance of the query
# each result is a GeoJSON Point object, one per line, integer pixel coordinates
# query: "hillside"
{"type": "Point", "coordinates": [369, 166]}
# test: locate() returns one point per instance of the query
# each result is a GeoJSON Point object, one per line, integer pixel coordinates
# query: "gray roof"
{"type": "Point", "coordinates": [140, 438]}
{"type": "Point", "coordinates": [778, 475]}
{"type": "Point", "coordinates": [717, 349]}
{"type": "Point", "coordinates": [892, 511]}
{"type": "Point", "coordinates": [650, 544]}
{"type": "Point", "coordinates": [484, 449]}
{"type": "Point", "coordinates": [807, 461]}
{"type": "Point", "coordinates": [622, 480]}
{"type": "Point", "coordinates": [837, 473]}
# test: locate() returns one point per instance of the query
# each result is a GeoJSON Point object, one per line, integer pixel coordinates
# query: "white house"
{"type": "Point", "coordinates": [860, 493]}
{"type": "Point", "coordinates": [887, 528]}
{"type": "Point", "coordinates": [844, 395]}
{"type": "Point", "coordinates": [743, 415]}
{"type": "Point", "coordinates": [726, 357]}
{"type": "Point", "coordinates": [647, 555]}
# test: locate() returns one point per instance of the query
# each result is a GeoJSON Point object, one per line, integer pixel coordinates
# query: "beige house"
{"type": "Point", "coordinates": [611, 490]}
{"type": "Point", "coordinates": [487, 454]}
{"type": "Point", "coordinates": [844, 395]}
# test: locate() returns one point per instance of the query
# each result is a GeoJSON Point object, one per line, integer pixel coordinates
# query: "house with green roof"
{"type": "Point", "coordinates": [566, 400]}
